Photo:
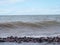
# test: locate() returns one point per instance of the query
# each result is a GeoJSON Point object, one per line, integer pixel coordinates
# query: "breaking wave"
{"type": "Point", "coordinates": [35, 24]}
{"type": "Point", "coordinates": [36, 29]}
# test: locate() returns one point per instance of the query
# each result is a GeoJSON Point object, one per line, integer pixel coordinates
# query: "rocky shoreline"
{"type": "Point", "coordinates": [30, 39]}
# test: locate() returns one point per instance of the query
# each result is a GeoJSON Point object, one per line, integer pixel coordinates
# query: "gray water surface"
{"type": "Point", "coordinates": [7, 43]}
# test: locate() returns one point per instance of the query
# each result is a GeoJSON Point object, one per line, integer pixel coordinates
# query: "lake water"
{"type": "Point", "coordinates": [29, 25]}
{"type": "Point", "coordinates": [28, 18]}
{"type": "Point", "coordinates": [7, 43]}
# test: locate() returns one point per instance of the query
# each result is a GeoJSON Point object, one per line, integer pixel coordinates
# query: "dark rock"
{"type": "Point", "coordinates": [30, 39]}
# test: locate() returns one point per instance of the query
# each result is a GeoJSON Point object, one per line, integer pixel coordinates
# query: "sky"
{"type": "Point", "coordinates": [29, 7]}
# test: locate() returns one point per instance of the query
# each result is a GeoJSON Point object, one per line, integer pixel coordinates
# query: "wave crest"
{"type": "Point", "coordinates": [35, 24]}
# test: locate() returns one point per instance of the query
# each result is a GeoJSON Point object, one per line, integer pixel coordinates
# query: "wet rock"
{"type": "Point", "coordinates": [30, 39]}
{"type": "Point", "coordinates": [1, 40]}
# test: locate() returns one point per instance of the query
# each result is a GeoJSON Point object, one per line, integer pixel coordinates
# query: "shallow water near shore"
{"type": "Point", "coordinates": [7, 43]}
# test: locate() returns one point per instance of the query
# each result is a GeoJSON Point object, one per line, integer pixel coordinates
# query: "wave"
{"type": "Point", "coordinates": [35, 24]}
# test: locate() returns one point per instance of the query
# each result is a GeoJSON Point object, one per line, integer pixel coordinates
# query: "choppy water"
{"type": "Point", "coordinates": [47, 28]}
{"type": "Point", "coordinates": [34, 26]}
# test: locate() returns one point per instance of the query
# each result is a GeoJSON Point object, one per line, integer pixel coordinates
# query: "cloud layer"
{"type": "Point", "coordinates": [29, 11]}
{"type": "Point", "coordinates": [16, 7]}
{"type": "Point", "coordinates": [10, 1]}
